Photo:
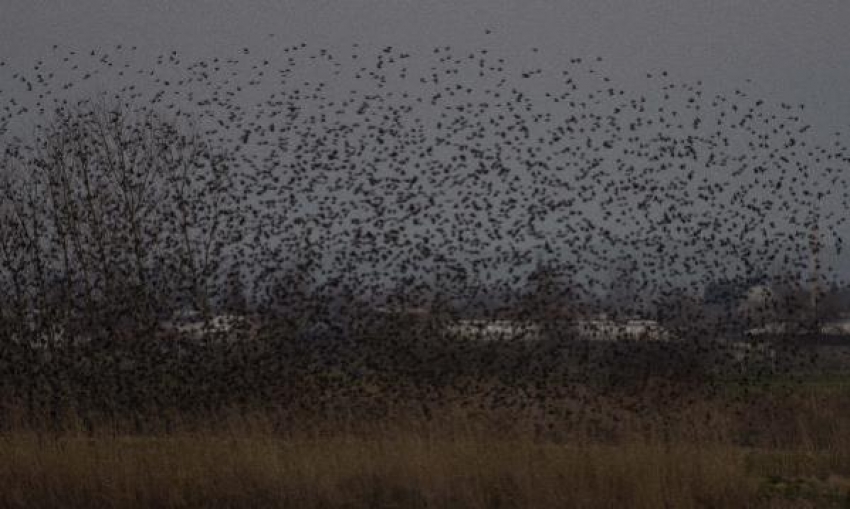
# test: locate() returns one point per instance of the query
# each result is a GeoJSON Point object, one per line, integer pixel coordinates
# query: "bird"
{"type": "Point", "coordinates": [339, 193]}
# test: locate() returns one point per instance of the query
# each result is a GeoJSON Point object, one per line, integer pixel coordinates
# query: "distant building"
{"type": "Point", "coordinates": [837, 327]}
{"type": "Point", "coordinates": [604, 329]}
{"type": "Point", "coordinates": [494, 330]}
{"type": "Point", "coordinates": [193, 325]}
{"type": "Point", "coordinates": [598, 329]}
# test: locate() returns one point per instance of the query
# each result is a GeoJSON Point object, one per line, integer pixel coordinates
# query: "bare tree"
{"type": "Point", "coordinates": [548, 293]}
{"type": "Point", "coordinates": [623, 291]}
{"type": "Point", "coordinates": [107, 196]}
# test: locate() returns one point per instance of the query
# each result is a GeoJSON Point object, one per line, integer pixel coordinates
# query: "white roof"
{"type": "Point", "coordinates": [840, 326]}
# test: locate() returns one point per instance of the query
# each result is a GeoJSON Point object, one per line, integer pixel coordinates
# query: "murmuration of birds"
{"type": "Point", "coordinates": [442, 218]}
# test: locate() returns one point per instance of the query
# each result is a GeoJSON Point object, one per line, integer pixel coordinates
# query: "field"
{"type": "Point", "coordinates": [388, 440]}
{"type": "Point", "coordinates": [256, 470]}
{"type": "Point", "coordinates": [388, 416]}
{"type": "Point", "coordinates": [221, 289]}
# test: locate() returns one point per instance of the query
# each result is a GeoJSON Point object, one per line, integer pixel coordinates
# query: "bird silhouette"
{"type": "Point", "coordinates": [356, 207]}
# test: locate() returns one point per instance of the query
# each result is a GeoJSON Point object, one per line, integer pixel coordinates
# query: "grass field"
{"type": "Point", "coordinates": [727, 451]}
{"type": "Point", "coordinates": [409, 471]}
{"type": "Point", "coordinates": [409, 424]}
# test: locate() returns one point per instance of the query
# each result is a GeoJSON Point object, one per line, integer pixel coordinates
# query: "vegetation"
{"type": "Point", "coordinates": [115, 220]}
{"type": "Point", "coordinates": [379, 448]}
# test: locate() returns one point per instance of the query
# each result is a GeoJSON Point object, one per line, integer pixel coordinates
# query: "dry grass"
{"type": "Point", "coordinates": [244, 462]}
{"type": "Point", "coordinates": [324, 439]}
{"type": "Point", "coordinates": [403, 471]}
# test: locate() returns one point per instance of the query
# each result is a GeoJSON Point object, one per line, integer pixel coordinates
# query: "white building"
{"type": "Point", "coordinates": [837, 327]}
{"type": "Point", "coordinates": [494, 330]}
{"type": "Point", "coordinates": [192, 324]}
{"type": "Point", "coordinates": [603, 329]}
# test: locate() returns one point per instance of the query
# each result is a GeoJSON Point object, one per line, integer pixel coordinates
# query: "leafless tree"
{"type": "Point", "coordinates": [105, 198]}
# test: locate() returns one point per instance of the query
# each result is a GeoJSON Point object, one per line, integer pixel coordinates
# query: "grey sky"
{"type": "Point", "coordinates": [794, 51]}
{"type": "Point", "coordinates": [791, 51]}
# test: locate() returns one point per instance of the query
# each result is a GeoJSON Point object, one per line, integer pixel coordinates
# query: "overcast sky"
{"type": "Point", "coordinates": [792, 50]}
{"type": "Point", "coordinates": [781, 50]}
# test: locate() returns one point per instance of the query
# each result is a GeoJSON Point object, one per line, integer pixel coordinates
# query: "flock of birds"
{"type": "Point", "coordinates": [440, 173]}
